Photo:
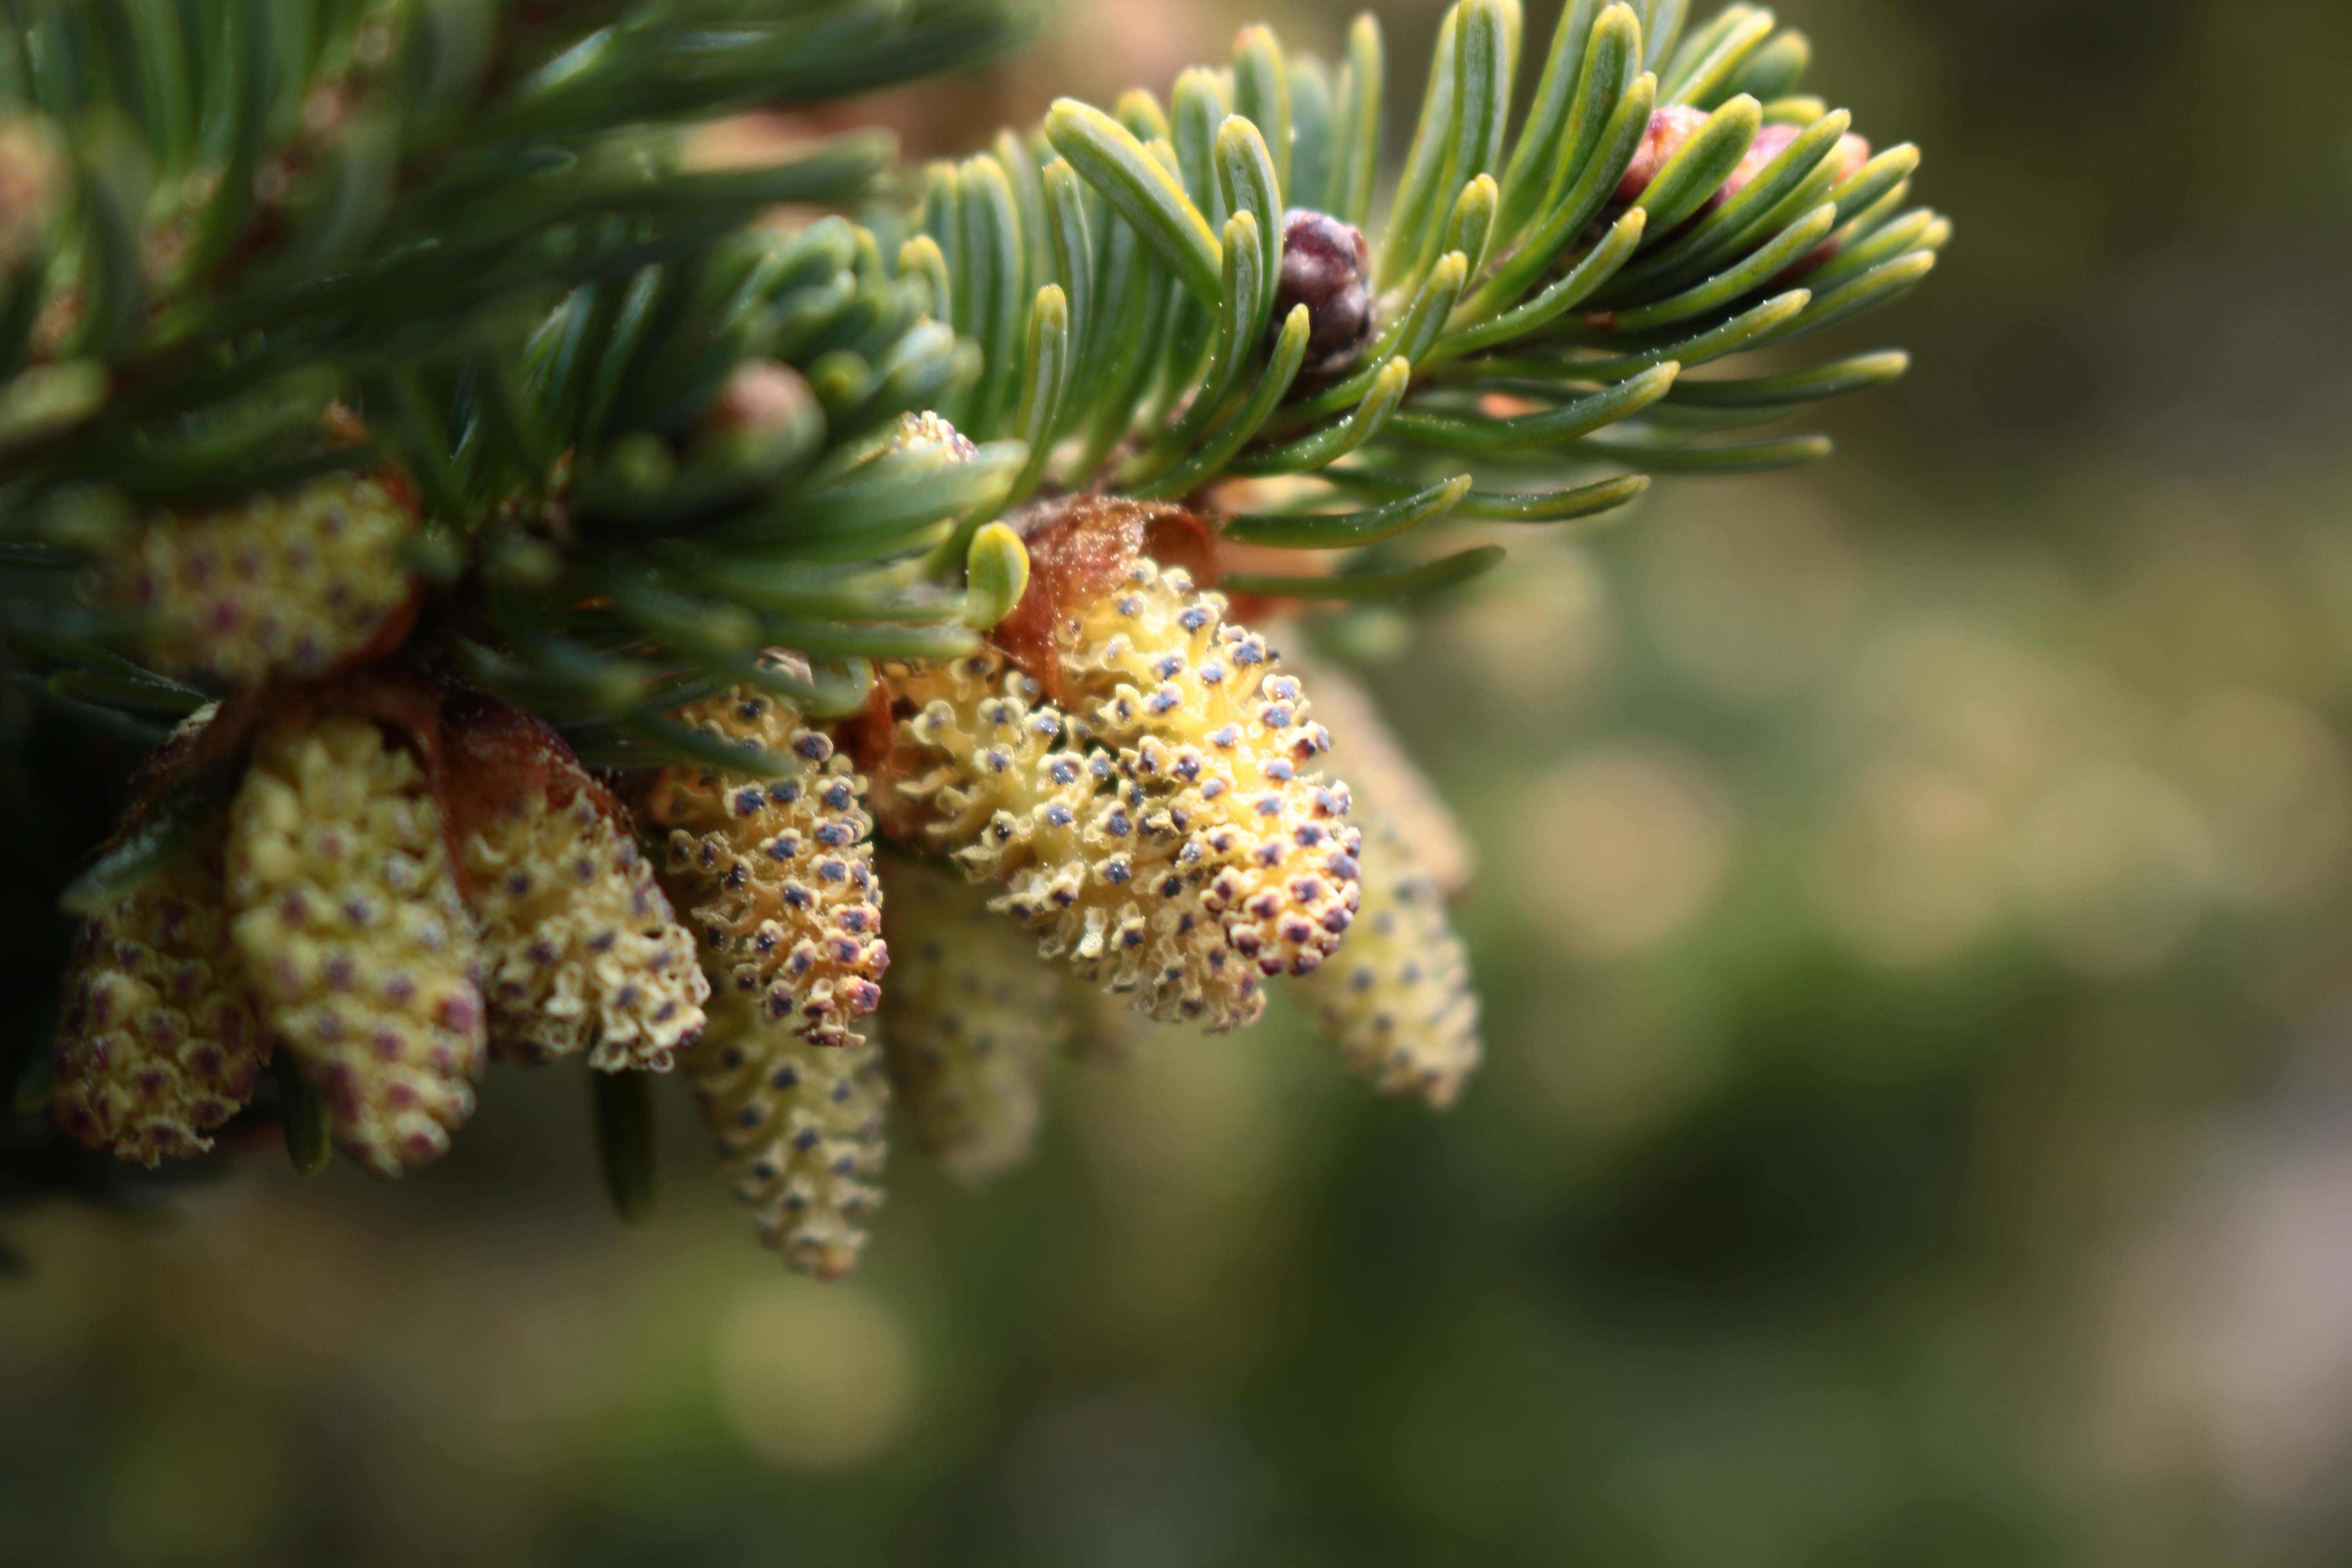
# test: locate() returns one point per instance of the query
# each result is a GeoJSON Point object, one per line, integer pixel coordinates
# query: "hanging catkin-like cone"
{"type": "Point", "coordinates": [1376, 765]}
{"type": "Point", "coordinates": [1396, 1002]}
{"type": "Point", "coordinates": [1213, 736]}
{"type": "Point", "coordinates": [777, 872]}
{"type": "Point", "coordinates": [160, 1041]}
{"type": "Point", "coordinates": [1109, 885]}
{"type": "Point", "coordinates": [969, 1019]}
{"type": "Point", "coordinates": [289, 584]}
{"type": "Point", "coordinates": [799, 1127]}
{"type": "Point", "coordinates": [358, 945]}
{"type": "Point", "coordinates": [1015, 800]}
{"type": "Point", "coordinates": [581, 952]}
{"type": "Point", "coordinates": [1153, 822]}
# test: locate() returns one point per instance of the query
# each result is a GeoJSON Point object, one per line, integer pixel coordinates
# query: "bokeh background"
{"type": "Point", "coordinates": [1916, 938]}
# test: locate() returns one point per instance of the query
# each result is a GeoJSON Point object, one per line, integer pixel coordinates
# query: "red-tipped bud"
{"type": "Point", "coordinates": [1851, 153]}
{"type": "Point", "coordinates": [1770, 144]}
{"type": "Point", "coordinates": [1670, 129]}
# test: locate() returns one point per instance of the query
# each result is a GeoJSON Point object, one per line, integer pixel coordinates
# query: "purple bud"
{"type": "Point", "coordinates": [1325, 267]}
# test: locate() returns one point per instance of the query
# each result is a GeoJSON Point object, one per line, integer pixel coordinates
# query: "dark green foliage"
{"type": "Point", "coordinates": [468, 224]}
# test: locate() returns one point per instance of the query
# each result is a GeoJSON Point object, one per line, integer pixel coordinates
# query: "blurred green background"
{"type": "Point", "coordinates": [1917, 1126]}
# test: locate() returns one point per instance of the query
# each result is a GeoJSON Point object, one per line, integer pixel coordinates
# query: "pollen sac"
{"type": "Point", "coordinates": [347, 914]}
{"type": "Point", "coordinates": [1013, 790]}
{"type": "Point", "coordinates": [1215, 744]}
{"type": "Point", "coordinates": [776, 872]}
{"type": "Point", "coordinates": [928, 429]}
{"type": "Point", "coordinates": [1396, 1000]}
{"type": "Point", "coordinates": [582, 953]}
{"type": "Point", "coordinates": [799, 1128]}
{"type": "Point", "coordinates": [999, 771]}
{"type": "Point", "coordinates": [969, 1021]}
{"type": "Point", "coordinates": [292, 585]}
{"type": "Point", "coordinates": [160, 1041]}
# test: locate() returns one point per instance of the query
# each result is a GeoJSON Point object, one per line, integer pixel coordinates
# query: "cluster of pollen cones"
{"type": "Point", "coordinates": [389, 878]}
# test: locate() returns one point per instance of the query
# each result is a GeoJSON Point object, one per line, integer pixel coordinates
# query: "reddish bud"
{"type": "Point", "coordinates": [759, 395]}
{"type": "Point", "coordinates": [1770, 144]}
{"type": "Point", "coordinates": [1851, 153]}
{"type": "Point", "coordinates": [1670, 129]}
